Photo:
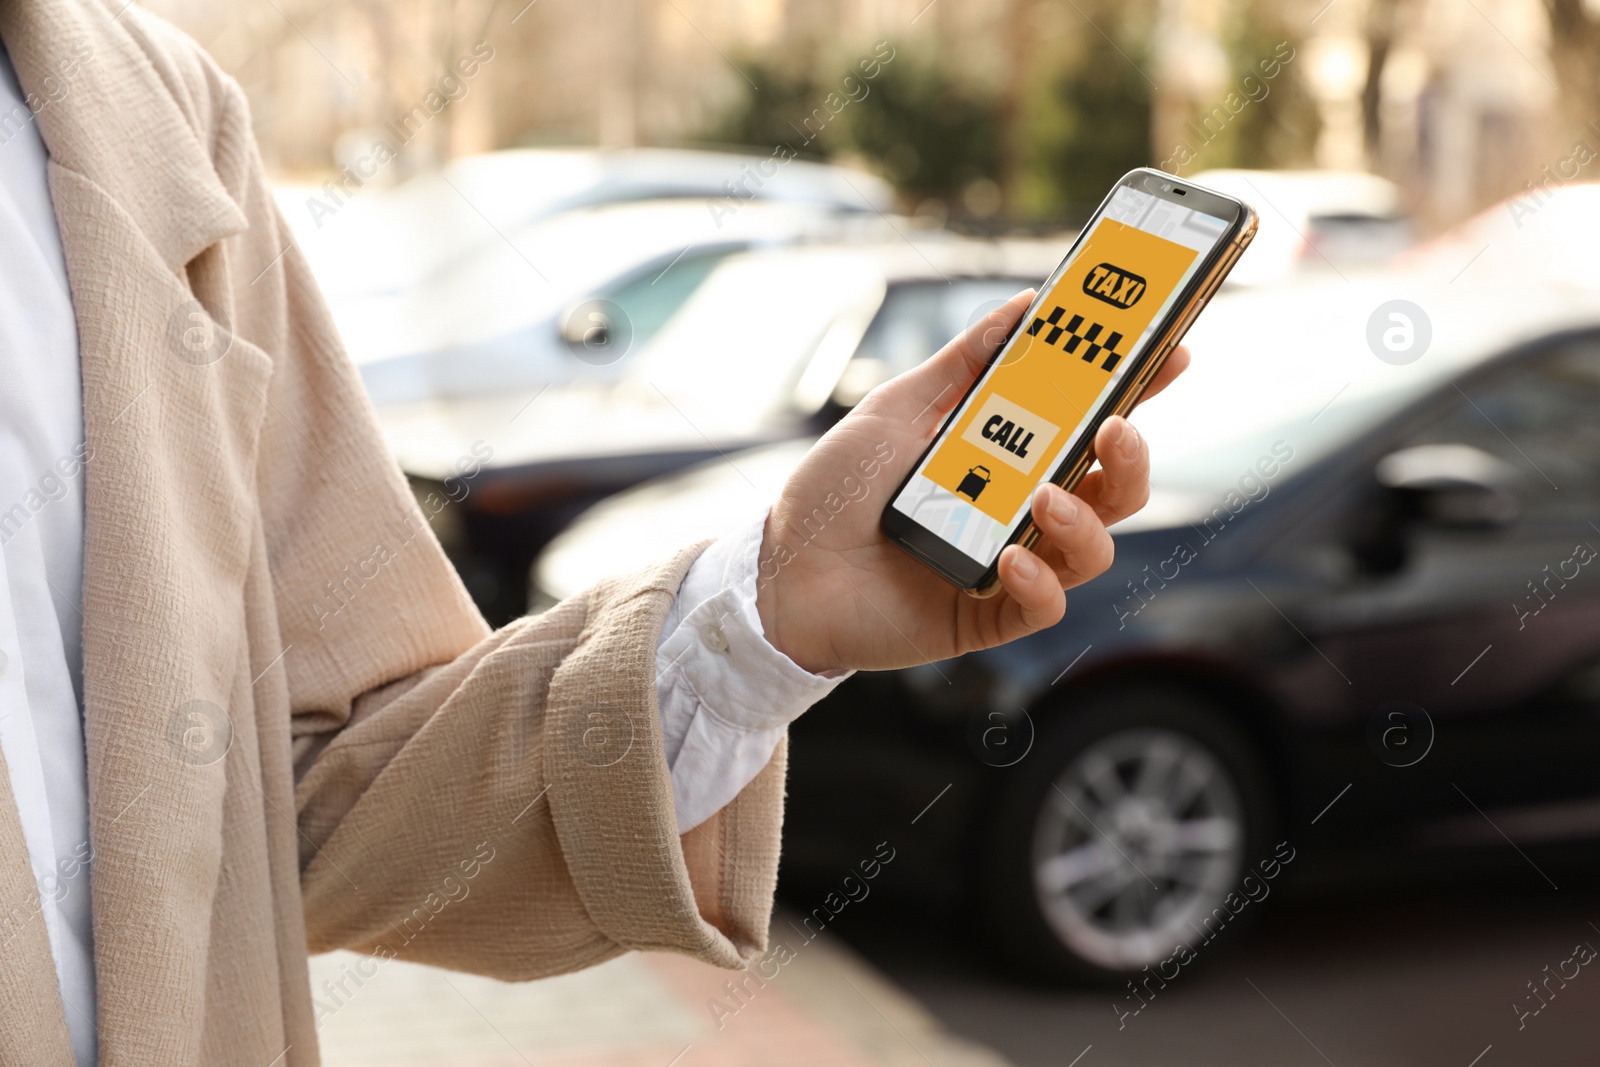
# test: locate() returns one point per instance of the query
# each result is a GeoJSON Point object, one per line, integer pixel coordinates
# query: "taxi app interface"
{"type": "Point", "coordinates": [1012, 433]}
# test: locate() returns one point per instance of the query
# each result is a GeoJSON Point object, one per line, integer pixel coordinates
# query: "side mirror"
{"type": "Point", "coordinates": [1451, 485]}
{"type": "Point", "coordinates": [596, 331]}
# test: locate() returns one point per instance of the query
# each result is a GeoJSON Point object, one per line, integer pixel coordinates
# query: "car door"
{"type": "Point", "coordinates": [1492, 627]}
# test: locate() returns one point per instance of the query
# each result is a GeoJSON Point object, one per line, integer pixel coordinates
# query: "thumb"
{"type": "Point", "coordinates": [931, 390]}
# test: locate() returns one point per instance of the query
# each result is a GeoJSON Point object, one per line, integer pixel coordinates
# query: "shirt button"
{"type": "Point", "coordinates": [713, 637]}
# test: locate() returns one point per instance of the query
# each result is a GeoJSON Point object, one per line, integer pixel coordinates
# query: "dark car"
{"type": "Point", "coordinates": [1359, 613]}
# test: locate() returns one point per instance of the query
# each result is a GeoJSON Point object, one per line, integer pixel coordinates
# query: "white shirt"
{"type": "Point", "coordinates": [725, 693]}
{"type": "Point", "coordinates": [41, 561]}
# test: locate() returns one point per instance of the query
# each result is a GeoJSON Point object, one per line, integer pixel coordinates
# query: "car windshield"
{"type": "Point", "coordinates": [1293, 364]}
{"type": "Point", "coordinates": [918, 318]}
{"type": "Point", "coordinates": [508, 285]}
{"type": "Point", "coordinates": [764, 333]}
{"type": "Point", "coordinates": [651, 297]}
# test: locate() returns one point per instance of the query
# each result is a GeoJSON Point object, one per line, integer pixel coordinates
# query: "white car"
{"type": "Point", "coordinates": [523, 312]}
{"type": "Point", "coordinates": [1316, 221]}
{"type": "Point", "coordinates": [372, 239]}
{"type": "Point", "coordinates": [773, 344]}
{"type": "Point", "coordinates": [763, 345]}
{"type": "Point", "coordinates": [1540, 237]}
{"type": "Point", "coordinates": [494, 272]}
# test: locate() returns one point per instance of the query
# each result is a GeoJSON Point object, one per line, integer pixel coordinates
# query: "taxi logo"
{"type": "Point", "coordinates": [1082, 338]}
{"type": "Point", "coordinates": [1010, 433]}
{"type": "Point", "coordinates": [1117, 287]}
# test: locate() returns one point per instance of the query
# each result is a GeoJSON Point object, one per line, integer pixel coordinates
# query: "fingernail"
{"type": "Point", "coordinates": [1022, 562]}
{"type": "Point", "coordinates": [1114, 431]}
{"type": "Point", "coordinates": [1061, 506]}
{"type": "Point", "coordinates": [1129, 443]}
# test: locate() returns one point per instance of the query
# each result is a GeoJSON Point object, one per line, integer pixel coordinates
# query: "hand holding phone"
{"type": "Point", "coordinates": [1140, 271]}
{"type": "Point", "coordinates": [834, 593]}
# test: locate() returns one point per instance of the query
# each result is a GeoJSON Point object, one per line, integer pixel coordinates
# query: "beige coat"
{"type": "Point", "coordinates": [396, 777]}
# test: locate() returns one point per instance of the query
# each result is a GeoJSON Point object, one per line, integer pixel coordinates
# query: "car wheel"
{"type": "Point", "coordinates": [1135, 816]}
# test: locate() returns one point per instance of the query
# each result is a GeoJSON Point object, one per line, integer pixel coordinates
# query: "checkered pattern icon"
{"type": "Point", "coordinates": [1078, 337]}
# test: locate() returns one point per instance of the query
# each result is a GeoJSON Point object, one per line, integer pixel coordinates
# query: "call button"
{"type": "Point", "coordinates": [1010, 433]}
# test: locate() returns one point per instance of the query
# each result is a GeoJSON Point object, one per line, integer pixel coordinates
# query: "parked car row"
{"type": "Point", "coordinates": [366, 237]}
{"type": "Point", "coordinates": [1357, 607]}
{"type": "Point", "coordinates": [771, 345]}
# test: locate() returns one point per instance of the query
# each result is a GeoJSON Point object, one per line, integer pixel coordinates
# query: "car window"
{"type": "Point", "coordinates": [917, 318]}
{"type": "Point", "coordinates": [650, 297]}
{"type": "Point", "coordinates": [1539, 415]}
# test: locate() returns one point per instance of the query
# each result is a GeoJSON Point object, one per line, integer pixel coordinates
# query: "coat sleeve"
{"type": "Point", "coordinates": [495, 802]}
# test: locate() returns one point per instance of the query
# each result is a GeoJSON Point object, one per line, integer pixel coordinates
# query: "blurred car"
{"type": "Point", "coordinates": [1542, 236]}
{"type": "Point", "coordinates": [1315, 220]}
{"type": "Point", "coordinates": [522, 313]}
{"type": "Point", "coordinates": [365, 240]}
{"type": "Point", "coordinates": [502, 270]}
{"type": "Point", "coordinates": [770, 345]}
{"type": "Point", "coordinates": [1360, 604]}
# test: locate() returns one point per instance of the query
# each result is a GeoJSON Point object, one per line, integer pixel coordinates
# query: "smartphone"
{"type": "Point", "coordinates": [1147, 261]}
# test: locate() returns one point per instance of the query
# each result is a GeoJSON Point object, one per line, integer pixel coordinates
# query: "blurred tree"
{"type": "Point", "coordinates": [1088, 114]}
{"type": "Point", "coordinates": [774, 111]}
{"type": "Point", "coordinates": [1025, 19]}
{"type": "Point", "coordinates": [1279, 129]}
{"type": "Point", "coordinates": [316, 70]}
{"type": "Point", "coordinates": [1381, 26]}
{"type": "Point", "coordinates": [929, 132]}
{"type": "Point", "coordinates": [933, 134]}
{"type": "Point", "coordinates": [1575, 54]}
{"type": "Point", "coordinates": [1042, 141]}
{"type": "Point", "coordinates": [1252, 110]}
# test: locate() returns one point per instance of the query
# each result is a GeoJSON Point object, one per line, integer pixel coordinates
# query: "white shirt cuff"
{"type": "Point", "coordinates": [725, 693]}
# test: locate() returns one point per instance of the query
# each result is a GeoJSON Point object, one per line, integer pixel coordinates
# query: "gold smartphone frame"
{"type": "Point", "coordinates": [1178, 322]}
{"type": "Point", "coordinates": [935, 553]}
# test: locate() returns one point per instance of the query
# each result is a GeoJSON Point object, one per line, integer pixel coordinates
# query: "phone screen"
{"type": "Point", "coordinates": [1036, 399]}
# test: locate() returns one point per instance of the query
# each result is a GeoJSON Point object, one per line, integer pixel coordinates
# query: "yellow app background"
{"type": "Point", "coordinates": [1057, 366]}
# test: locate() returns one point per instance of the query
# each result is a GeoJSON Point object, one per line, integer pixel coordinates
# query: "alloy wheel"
{"type": "Point", "coordinates": [1138, 839]}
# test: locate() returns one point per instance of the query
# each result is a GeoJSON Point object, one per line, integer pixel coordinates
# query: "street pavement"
{"type": "Point", "coordinates": [1456, 971]}
{"type": "Point", "coordinates": [1417, 978]}
{"type": "Point", "coordinates": [825, 1006]}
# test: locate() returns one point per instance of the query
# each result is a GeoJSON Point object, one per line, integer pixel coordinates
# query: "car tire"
{"type": "Point", "coordinates": [1139, 810]}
